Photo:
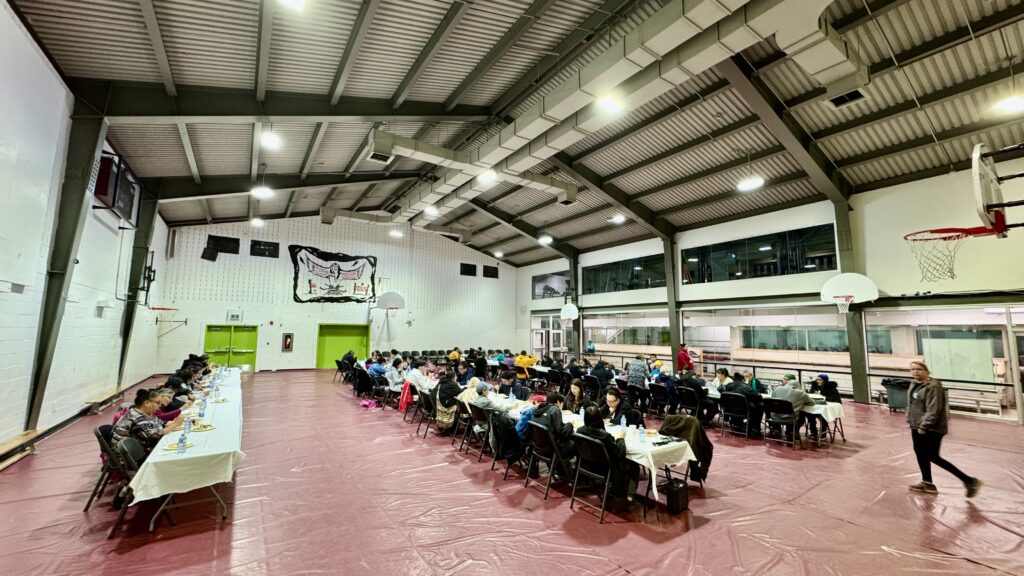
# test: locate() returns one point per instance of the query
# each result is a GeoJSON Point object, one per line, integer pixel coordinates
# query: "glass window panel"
{"type": "Point", "coordinates": [793, 252]}
{"type": "Point", "coordinates": [634, 274]}
{"type": "Point", "coordinates": [554, 285]}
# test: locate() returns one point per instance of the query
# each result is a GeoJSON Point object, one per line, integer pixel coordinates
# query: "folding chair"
{"type": "Point", "coordinates": [364, 383]}
{"type": "Point", "coordinates": [111, 464]}
{"type": "Point", "coordinates": [592, 387]}
{"type": "Point", "coordinates": [543, 449]}
{"type": "Point", "coordinates": [554, 380]}
{"type": "Point", "coordinates": [427, 413]}
{"type": "Point", "coordinates": [566, 382]}
{"type": "Point", "coordinates": [535, 379]}
{"type": "Point", "coordinates": [132, 455]}
{"type": "Point", "coordinates": [462, 417]}
{"type": "Point", "coordinates": [688, 399]}
{"type": "Point", "coordinates": [734, 406]}
{"type": "Point", "coordinates": [781, 413]}
{"type": "Point", "coordinates": [659, 398]}
{"type": "Point", "coordinates": [506, 442]}
{"type": "Point", "coordinates": [478, 417]}
{"type": "Point", "coordinates": [591, 458]}
{"type": "Point", "coordinates": [638, 396]}
{"type": "Point", "coordinates": [521, 373]}
{"type": "Point", "coordinates": [410, 415]}
{"type": "Point", "coordinates": [340, 374]}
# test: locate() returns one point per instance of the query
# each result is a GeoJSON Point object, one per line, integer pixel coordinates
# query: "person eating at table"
{"type": "Point", "coordinates": [377, 368]}
{"type": "Point", "coordinates": [602, 373]}
{"type": "Point", "coordinates": [617, 408]}
{"type": "Point", "coordinates": [706, 407]}
{"type": "Point", "coordinates": [577, 399]}
{"type": "Point", "coordinates": [549, 414]}
{"type": "Point", "coordinates": [827, 388]}
{"type": "Point", "coordinates": [181, 393]}
{"type": "Point", "coordinates": [511, 386]}
{"type": "Point", "coordinates": [754, 408]}
{"type": "Point", "coordinates": [455, 355]}
{"type": "Point", "coordinates": [525, 360]}
{"type": "Point", "coordinates": [141, 423]}
{"type": "Point", "coordinates": [721, 379]}
{"type": "Point", "coordinates": [546, 361]}
{"type": "Point", "coordinates": [574, 368]}
{"type": "Point", "coordinates": [419, 377]}
{"type": "Point", "coordinates": [754, 383]}
{"type": "Point", "coordinates": [395, 375]}
{"type": "Point", "coordinates": [465, 373]}
{"type": "Point", "coordinates": [164, 411]}
{"type": "Point", "coordinates": [625, 474]}
{"type": "Point", "coordinates": [446, 398]}
{"type": "Point", "coordinates": [800, 400]}
{"type": "Point", "coordinates": [483, 396]}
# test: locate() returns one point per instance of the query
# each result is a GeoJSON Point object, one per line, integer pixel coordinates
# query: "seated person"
{"type": "Point", "coordinates": [395, 375]}
{"type": "Point", "coordinates": [706, 408]}
{"type": "Point", "coordinates": [654, 365]}
{"type": "Point", "coordinates": [483, 396]}
{"type": "Point", "coordinates": [525, 360]}
{"type": "Point", "coordinates": [509, 361]}
{"type": "Point", "coordinates": [549, 414]}
{"type": "Point", "coordinates": [499, 357]}
{"type": "Point", "coordinates": [574, 369]}
{"type": "Point", "coordinates": [546, 361]}
{"type": "Point", "coordinates": [799, 399]}
{"type": "Point", "coordinates": [446, 400]}
{"type": "Point", "coordinates": [720, 380]}
{"type": "Point", "coordinates": [511, 386]}
{"type": "Point", "coordinates": [377, 367]}
{"type": "Point", "coordinates": [603, 374]}
{"type": "Point", "coordinates": [141, 423]}
{"type": "Point", "coordinates": [465, 373]}
{"type": "Point", "coordinates": [480, 366]}
{"type": "Point", "coordinates": [164, 412]}
{"type": "Point", "coordinates": [419, 376]}
{"type": "Point", "coordinates": [754, 383]}
{"type": "Point", "coordinates": [455, 355]}
{"type": "Point", "coordinates": [618, 408]}
{"type": "Point", "coordinates": [556, 364]}
{"type": "Point", "coordinates": [179, 391]}
{"type": "Point", "coordinates": [755, 411]}
{"type": "Point", "coordinates": [577, 399]}
{"type": "Point", "coordinates": [827, 388]}
{"type": "Point", "coordinates": [637, 375]}
{"type": "Point", "coordinates": [625, 474]}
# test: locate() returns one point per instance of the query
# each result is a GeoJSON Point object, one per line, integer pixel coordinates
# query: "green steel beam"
{"type": "Point", "coordinates": [266, 32]}
{"type": "Point", "coordinates": [360, 29]}
{"type": "Point", "coordinates": [140, 254]}
{"type": "Point", "coordinates": [157, 40]}
{"type": "Point", "coordinates": [456, 11]}
{"type": "Point", "coordinates": [765, 154]}
{"type": "Point", "coordinates": [675, 330]}
{"type": "Point", "coordinates": [522, 228]}
{"type": "Point", "coordinates": [175, 189]}
{"type": "Point", "coordinates": [85, 145]}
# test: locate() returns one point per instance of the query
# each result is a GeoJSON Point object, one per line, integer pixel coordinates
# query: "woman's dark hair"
{"type": "Point", "coordinates": [723, 372]}
{"type": "Point", "coordinates": [592, 418]}
{"type": "Point", "coordinates": [463, 364]}
{"type": "Point", "coordinates": [185, 375]}
{"type": "Point", "coordinates": [737, 376]}
{"type": "Point", "coordinates": [577, 383]}
{"type": "Point", "coordinates": [397, 362]}
{"type": "Point", "coordinates": [448, 374]}
{"type": "Point", "coordinates": [140, 397]}
{"type": "Point", "coordinates": [613, 391]}
{"type": "Point", "coordinates": [506, 352]}
{"type": "Point", "coordinates": [507, 375]}
{"type": "Point", "coordinates": [600, 364]}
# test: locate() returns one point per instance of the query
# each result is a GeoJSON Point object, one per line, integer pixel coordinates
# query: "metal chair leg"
{"type": "Point", "coordinates": [529, 467]}
{"type": "Point", "coordinates": [120, 517]}
{"type": "Point", "coordinates": [101, 485]}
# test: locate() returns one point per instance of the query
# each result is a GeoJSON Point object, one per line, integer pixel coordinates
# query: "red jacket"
{"type": "Point", "coordinates": [683, 361]}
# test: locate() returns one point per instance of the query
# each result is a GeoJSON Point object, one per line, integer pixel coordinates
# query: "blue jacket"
{"type": "Point", "coordinates": [464, 379]}
{"type": "Point", "coordinates": [522, 426]}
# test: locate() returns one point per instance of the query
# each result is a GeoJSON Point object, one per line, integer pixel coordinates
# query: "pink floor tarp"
{"type": "Point", "coordinates": [329, 487]}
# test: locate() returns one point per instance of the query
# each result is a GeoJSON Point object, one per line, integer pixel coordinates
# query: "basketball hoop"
{"type": "Point", "coordinates": [390, 311]}
{"type": "Point", "coordinates": [843, 303]}
{"type": "Point", "coordinates": [568, 313]}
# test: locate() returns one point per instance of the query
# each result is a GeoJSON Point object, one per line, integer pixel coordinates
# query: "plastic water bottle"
{"type": "Point", "coordinates": [181, 443]}
{"type": "Point", "coordinates": [622, 421]}
{"type": "Point", "coordinates": [642, 434]}
{"type": "Point", "coordinates": [581, 412]}
{"type": "Point", "coordinates": [188, 425]}
{"type": "Point", "coordinates": [202, 408]}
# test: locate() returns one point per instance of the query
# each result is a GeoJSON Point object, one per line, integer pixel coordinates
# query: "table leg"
{"type": "Point", "coordinates": [159, 511]}
{"type": "Point", "coordinates": [221, 506]}
{"type": "Point", "coordinates": [837, 426]}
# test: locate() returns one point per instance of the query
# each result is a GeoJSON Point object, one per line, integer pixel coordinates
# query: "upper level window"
{"type": "Point", "coordinates": [810, 249]}
{"type": "Point", "coordinates": [553, 285]}
{"type": "Point", "coordinates": [634, 274]}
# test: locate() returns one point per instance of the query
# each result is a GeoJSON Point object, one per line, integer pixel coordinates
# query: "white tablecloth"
{"type": "Point", "coordinates": [830, 411]}
{"type": "Point", "coordinates": [214, 457]}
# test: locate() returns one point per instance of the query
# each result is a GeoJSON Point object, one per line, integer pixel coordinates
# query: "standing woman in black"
{"type": "Point", "coordinates": [928, 416]}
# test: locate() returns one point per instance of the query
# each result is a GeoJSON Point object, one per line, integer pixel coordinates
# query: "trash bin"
{"type": "Point", "coordinates": [677, 495]}
{"type": "Point", "coordinates": [896, 393]}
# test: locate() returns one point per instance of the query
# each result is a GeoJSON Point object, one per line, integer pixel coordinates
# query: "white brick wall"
{"type": "Point", "coordinates": [446, 309]}
{"type": "Point", "coordinates": [142, 353]}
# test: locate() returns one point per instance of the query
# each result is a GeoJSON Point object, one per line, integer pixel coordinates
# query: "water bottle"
{"type": "Point", "coordinates": [581, 412]}
{"type": "Point", "coordinates": [202, 408]}
{"type": "Point", "coordinates": [642, 434]}
{"type": "Point", "coordinates": [181, 443]}
{"type": "Point", "coordinates": [622, 421]}
{"type": "Point", "coordinates": [188, 425]}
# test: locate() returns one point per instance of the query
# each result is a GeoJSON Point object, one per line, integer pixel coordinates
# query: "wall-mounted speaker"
{"type": "Point", "coordinates": [209, 253]}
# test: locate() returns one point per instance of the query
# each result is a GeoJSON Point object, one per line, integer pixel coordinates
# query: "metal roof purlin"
{"type": "Point", "coordinates": [266, 32]}
{"type": "Point", "coordinates": [190, 154]}
{"type": "Point", "coordinates": [254, 160]}
{"type": "Point", "coordinates": [153, 28]}
{"type": "Point", "coordinates": [314, 145]}
{"type": "Point", "coordinates": [291, 204]}
{"type": "Point", "coordinates": [444, 29]}
{"type": "Point", "coordinates": [498, 51]}
{"type": "Point", "coordinates": [765, 154]}
{"type": "Point", "coordinates": [768, 185]}
{"type": "Point", "coordinates": [863, 15]}
{"type": "Point", "coordinates": [763, 102]}
{"type": "Point", "coordinates": [759, 211]}
{"type": "Point", "coordinates": [614, 196]}
{"type": "Point", "coordinates": [524, 229]}
{"type": "Point", "coordinates": [237, 185]}
{"type": "Point", "coordinates": [355, 42]}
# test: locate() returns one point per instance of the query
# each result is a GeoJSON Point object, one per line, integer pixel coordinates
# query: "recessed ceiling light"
{"type": "Point", "coordinates": [638, 267]}
{"type": "Point", "coordinates": [739, 273]}
{"type": "Point", "coordinates": [257, 222]}
{"type": "Point", "coordinates": [764, 249]}
{"type": "Point", "coordinates": [610, 104]}
{"type": "Point", "coordinates": [1011, 105]}
{"type": "Point", "coordinates": [261, 193]}
{"type": "Point", "coordinates": [809, 266]}
{"type": "Point", "coordinates": [545, 240]}
{"type": "Point", "coordinates": [499, 254]}
{"type": "Point", "coordinates": [270, 140]}
{"type": "Point", "coordinates": [293, 4]}
{"type": "Point", "coordinates": [691, 260]}
{"type": "Point", "coordinates": [487, 178]}
{"type": "Point", "coordinates": [431, 211]}
{"type": "Point", "coordinates": [617, 219]}
{"type": "Point", "coordinates": [396, 234]}
{"type": "Point", "coordinates": [750, 183]}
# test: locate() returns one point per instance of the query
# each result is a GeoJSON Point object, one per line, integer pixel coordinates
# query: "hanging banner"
{"type": "Point", "coordinates": [330, 277]}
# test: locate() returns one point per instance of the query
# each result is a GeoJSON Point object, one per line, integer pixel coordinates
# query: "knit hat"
{"type": "Point", "coordinates": [824, 377]}
{"type": "Point", "coordinates": [482, 387]}
{"type": "Point", "coordinates": [789, 377]}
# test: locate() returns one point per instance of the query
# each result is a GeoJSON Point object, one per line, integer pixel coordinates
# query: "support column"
{"type": "Point", "coordinates": [855, 319]}
{"type": "Point", "coordinates": [577, 324]}
{"type": "Point", "coordinates": [85, 146]}
{"type": "Point", "coordinates": [140, 254]}
{"type": "Point", "coordinates": [671, 281]}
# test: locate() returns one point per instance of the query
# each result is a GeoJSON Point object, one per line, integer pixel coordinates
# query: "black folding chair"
{"type": "Point", "coordinates": [638, 396]}
{"type": "Point", "coordinates": [688, 399]}
{"type": "Point", "coordinates": [507, 445]}
{"type": "Point", "coordinates": [427, 413]}
{"type": "Point", "coordinates": [592, 387]}
{"type": "Point", "coordinates": [542, 449]}
{"type": "Point", "coordinates": [536, 381]}
{"type": "Point", "coordinates": [462, 418]}
{"type": "Point", "coordinates": [131, 455]}
{"type": "Point", "coordinates": [111, 464]}
{"type": "Point", "coordinates": [659, 398]}
{"type": "Point", "coordinates": [340, 374]}
{"type": "Point", "coordinates": [411, 413]}
{"type": "Point", "coordinates": [554, 380]}
{"type": "Point", "coordinates": [622, 385]}
{"type": "Point", "coordinates": [478, 417]}
{"type": "Point", "coordinates": [364, 383]}
{"type": "Point", "coordinates": [566, 382]}
{"type": "Point", "coordinates": [735, 407]}
{"type": "Point", "coordinates": [594, 463]}
{"type": "Point", "coordinates": [780, 413]}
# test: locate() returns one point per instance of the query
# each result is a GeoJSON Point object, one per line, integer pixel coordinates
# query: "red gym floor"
{"type": "Point", "coordinates": [330, 488]}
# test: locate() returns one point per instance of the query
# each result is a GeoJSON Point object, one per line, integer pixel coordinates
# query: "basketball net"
{"type": "Point", "coordinates": [566, 323]}
{"type": "Point", "coordinates": [935, 252]}
{"type": "Point", "coordinates": [843, 303]}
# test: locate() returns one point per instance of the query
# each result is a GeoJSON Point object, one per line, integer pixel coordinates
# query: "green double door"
{"type": "Point", "coordinates": [333, 340]}
{"type": "Point", "coordinates": [231, 345]}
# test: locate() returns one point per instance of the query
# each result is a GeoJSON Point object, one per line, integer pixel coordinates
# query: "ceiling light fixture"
{"type": "Point", "coordinates": [610, 104]}
{"type": "Point", "coordinates": [261, 193]}
{"type": "Point", "coordinates": [1010, 105]}
{"type": "Point", "coordinates": [617, 219]}
{"type": "Point", "coordinates": [487, 178]}
{"type": "Point", "coordinates": [739, 273]}
{"type": "Point", "coordinates": [764, 249]}
{"type": "Point", "coordinates": [431, 211]}
{"type": "Point", "coordinates": [293, 4]}
{"type": "Point", "coordinates": [810, 266]}
{"type": "Point", "coordinates": [257, 222]}
{"type": "Point", "coordinates": [270, 140]}
{"type": "Point", "coordinates": [638, 267]}
{"type": "Point", "coordinates": [396, 234]}
{"type": "Point", "coordinates": [752, 181]}
{"type": "Point", "coordinates": [499, 254]}
{"type": "Point", "coordinates": [545, 240]}
{"type": "Point", "coordinates": [691, 260]}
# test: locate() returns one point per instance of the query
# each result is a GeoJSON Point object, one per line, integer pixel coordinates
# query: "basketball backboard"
{"type": "Point", "coordinates": [845, 289]}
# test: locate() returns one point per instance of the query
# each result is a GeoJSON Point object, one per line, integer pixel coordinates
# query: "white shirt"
{"type": "Point", "coordinates": [421, 381]}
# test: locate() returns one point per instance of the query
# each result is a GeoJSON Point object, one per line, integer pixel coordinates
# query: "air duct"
{"type": "Point", "coordinates": [816, 46]}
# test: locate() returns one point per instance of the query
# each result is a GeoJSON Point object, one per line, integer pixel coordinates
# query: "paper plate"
{"type": "Point", "coordinates": [174, 446]}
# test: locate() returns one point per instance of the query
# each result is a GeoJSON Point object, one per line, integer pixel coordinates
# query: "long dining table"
{"type": "Point", "coordinates": [832, 412]}
{"type": "Point", "coordinates": [212, 458]}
